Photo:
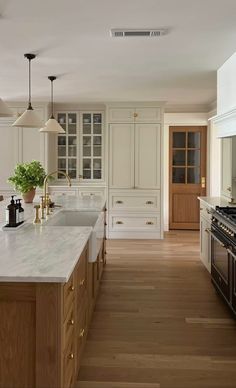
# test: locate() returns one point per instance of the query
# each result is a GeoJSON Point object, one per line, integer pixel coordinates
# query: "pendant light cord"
{"type": "Point", "coordinates": [52, 107]}
{"type": "Point", "coordinates": [29, 105]}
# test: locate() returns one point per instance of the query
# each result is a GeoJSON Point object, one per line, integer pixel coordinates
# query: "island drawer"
{"type": "Point", "coordinates": [205, 211]}
{"type": "Point", "coordinates": [82, 275]}
{"type": "Point", "coordinates": [68, 295]}
{"type": "Point", "coordinates": [69, 327]}
{"type": "Point", "coordinates": [135, 200]}
{"type": "Point", "coordinates": [69, 365]}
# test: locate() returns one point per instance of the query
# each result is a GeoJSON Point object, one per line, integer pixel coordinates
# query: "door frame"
{"type": "Point", "coordinates": [204, 146]}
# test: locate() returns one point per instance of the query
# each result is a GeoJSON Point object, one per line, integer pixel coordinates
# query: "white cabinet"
{"type": "Point", "coordinates": [138, 115]}
{"type": "Point", "coordinates": [134, 156]}
{"type": "Point", "coordinates": [147, 156]}
{"type": "Point", "coordinates": [205, 238]}
{"type": "Point", "coordinates": [134, 161]}
{"type": "Point", "coordinates": [228, 168]}
{"type": "Point", "coordinates": [121, 156]}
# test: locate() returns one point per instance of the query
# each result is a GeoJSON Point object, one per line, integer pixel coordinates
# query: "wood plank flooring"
{"type": "Point", "coordinates": [158, 321]}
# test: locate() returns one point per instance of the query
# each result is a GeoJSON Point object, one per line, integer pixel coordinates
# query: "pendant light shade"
{"type": "Point", "coordinates": [29, 118]}
{"type": "Point", "coordinates": [4, 110]}
{"type": "Point", "coordinates": [52, 125]}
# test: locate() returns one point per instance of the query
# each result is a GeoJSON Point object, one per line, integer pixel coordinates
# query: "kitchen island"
{"type": "Point", "coordinates": [47, 295]}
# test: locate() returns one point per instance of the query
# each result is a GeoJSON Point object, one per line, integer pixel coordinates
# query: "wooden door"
{"type": "Point", "coordinates": [147, 156]}
{"type": "Point", "coordinates": [187, 175]}
{"type": "Point", "coordinates": [121, 156]}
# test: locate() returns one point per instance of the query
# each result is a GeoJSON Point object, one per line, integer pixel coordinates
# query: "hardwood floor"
{"type": "Point", "coordinates": [158, 321]}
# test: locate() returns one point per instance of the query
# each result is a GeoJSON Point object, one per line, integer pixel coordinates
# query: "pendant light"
{"type": "Point", "coordinates": [4, 110]}
{"type": "Point", "coordinates": [52, 125]}
{"type": "Point", "coordinates": [29, 118]}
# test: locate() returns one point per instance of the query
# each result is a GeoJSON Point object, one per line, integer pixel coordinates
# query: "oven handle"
{"type": "Point", "coordinates": [209, 231]}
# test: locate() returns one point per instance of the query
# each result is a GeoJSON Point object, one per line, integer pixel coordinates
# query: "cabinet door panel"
{"type": "Point", "coordinates": [147, 156]}
{"type": "Point", "coordinates": [147, 115]}
{"type": "Point", "coordinates": [121, 173]}
{"type": "Point", "coordinates": [226, 168]}
{"type": "Point", "coordinates": [121, 115]}
{"type": "Point", "coordinates": [205, 243]}
{"type": "Point", "coordinates": [9, 151]}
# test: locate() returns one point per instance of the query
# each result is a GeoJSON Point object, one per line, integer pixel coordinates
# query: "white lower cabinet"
{"type": "Point", "coordinates": [205, 238]}
{"type": "Point", "coordinates": [134, 214]}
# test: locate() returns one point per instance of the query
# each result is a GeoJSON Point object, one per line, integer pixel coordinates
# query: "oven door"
{"type": "Point", "coordinates": [233, 278]}
{"type": "Point", "coordinates": [220, 263]}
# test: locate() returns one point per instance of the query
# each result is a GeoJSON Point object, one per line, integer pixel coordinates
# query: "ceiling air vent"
{"type": "Point", "coordinates": [149, 33]}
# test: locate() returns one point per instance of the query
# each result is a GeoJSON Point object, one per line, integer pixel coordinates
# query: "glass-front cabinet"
{"type": "Point", "coordinates": [80, 149]}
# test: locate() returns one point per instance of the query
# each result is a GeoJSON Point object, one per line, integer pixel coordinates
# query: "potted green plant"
{"type": "Point", "coordinates": [28, 176]}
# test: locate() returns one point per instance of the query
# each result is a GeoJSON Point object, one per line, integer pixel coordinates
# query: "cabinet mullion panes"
{"type": "Point", "coordinates": [67, 152]}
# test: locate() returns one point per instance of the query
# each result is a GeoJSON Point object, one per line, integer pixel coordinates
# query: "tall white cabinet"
{"type": "Point", "coordinates": [135, 171]}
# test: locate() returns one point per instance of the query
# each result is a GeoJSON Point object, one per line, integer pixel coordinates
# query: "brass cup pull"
{"type": "Point", "coordinates": [71, 322]}
{"type": "Point", "coordinates": [81, 334]}
{"type": "Point", "coordinates": [119, 222]}
{"type": "Point", "coordinates": [81, 283]}
{"type": "Point", "coordinates": [71, 356]}
{"type": "Point", "coordinates": [119, 202]}
{"type": "Point", "coordinates": [149, 223]}
{"type": "Point", "coordinates": [72, 288]}
{"type": "Point", "coordinates": [149, 203]}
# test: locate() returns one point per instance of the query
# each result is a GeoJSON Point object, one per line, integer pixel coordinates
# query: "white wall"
{"type": "Point", "coordinates": [226, 86]}
{"type": "Point", "coordinates": [184, 119]}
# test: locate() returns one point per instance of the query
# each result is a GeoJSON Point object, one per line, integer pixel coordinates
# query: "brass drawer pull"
{"type": "Point", "coordinates": [72, 288]}
{"type": "Point", "coordinates": [201, 208]}
{"type": "Point", "coordinates": [81, 283]}
{"type": "Point", "coordinates": [81, 334]}
{"type": "Point", "coordinates": [119, 202]}
{"type": "Point", "coordinates": [119, 222]}
{"type": "Point", "coordinates": [71, 322]}
{"type": "Point", "coordinates": [149, 223]}
{"type": "Point", "coordinates": [208, 211]}
{"type": "Point", "coordinates": [149, 203]}
{"type": "Point", "coordinates": [71, 356]}
{"type": "Point", "coordinates": [229, 189]}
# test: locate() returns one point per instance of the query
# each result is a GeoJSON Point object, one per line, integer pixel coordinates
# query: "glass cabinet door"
{"type": "Point", "coordinates": [92, 147]}
{"type": "Point", "coordinates": [67, 145]}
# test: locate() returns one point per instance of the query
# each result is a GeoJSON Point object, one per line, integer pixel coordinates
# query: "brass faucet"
{"type": "Point", "coordinates": [46, 198]}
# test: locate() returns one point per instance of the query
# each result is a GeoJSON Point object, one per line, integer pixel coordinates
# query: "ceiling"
{"type": "Point", "coordinates": [72, 40]}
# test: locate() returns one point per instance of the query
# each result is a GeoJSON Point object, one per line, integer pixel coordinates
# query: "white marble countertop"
{"type": "Point", "coordinates": [40, 253]}
{"type": "Point", "coordinates": [215, 201]}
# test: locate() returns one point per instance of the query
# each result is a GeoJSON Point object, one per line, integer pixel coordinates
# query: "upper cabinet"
{"type": "Point", "coordinates": [134, 148]}
{"type": "Point", "coordinates": [135, 115]}
{"type": "Point", "coordinates": [80, 151]}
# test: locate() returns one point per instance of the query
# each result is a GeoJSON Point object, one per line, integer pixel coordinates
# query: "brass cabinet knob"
{"type": "Point", "coordinates": [81, 334]}
{"type": "Point", "coordinates": [71, 322]}
{"type": "Point", "coordinates": [149, 223]}
{"type": "Point", "coordinates": [71, 356]}
{"type": "Point", "coordinates": [119, 222]}
{"type": "Point", "coordinates": [135, 114]}
{"type": "Point", "coordinates": [81, 283]}
{"type": "Point", "coordinates": [72, 288]}
{"type": "Point", "coordinates": [149, 203]}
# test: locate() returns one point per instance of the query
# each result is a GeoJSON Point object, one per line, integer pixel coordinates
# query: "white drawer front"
{"type": "Point", "coordinates": [61, 192]}
{"type": "Point", "coordinates": [144, 202]}
{"type": "Point", "coordinates": [91, 194]}
{"type": "Point", "coordinates": [147, 115]}
{"type": "Point", "coordinates": [135, 222]}
{"type": "Point", "coordinates": [205, 211]}
{"type": "Point", "coordinates": [121, 115]}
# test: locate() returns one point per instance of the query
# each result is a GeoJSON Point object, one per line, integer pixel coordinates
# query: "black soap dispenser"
{"type": "Point", "coordinates": [11, 213]}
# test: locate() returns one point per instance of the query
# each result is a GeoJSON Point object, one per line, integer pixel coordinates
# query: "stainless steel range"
{"type": "Point", "coordinates": [223, 253]}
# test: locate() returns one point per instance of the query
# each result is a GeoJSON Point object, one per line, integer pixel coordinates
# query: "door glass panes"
{"type": "Point", "coordinates": [92, 145]}
{"type": "Point", "coordinates": [179, 158]}
{"type": "Point", "coordinates": [178, 175]}
{"type": "Point", "coordinates": [194, 175]}
{"type": "Point", "coordinates": [193, 139]}
{"type": "Point", "coordinates": [179, 140]}
{"type": "Point", "coordinates": [186, 154]}
{"type": "Point", "coordinates": [68, 145]}
{"type": "Point", "coordinates": [194, 158]}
